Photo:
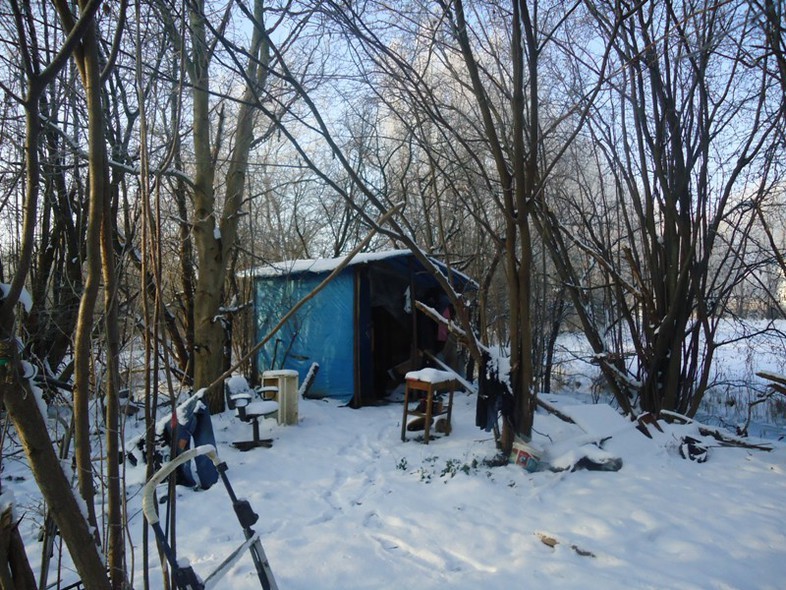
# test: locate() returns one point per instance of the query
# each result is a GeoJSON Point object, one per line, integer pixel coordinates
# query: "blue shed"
{"type": "Point", "coordinates": [357, 328]}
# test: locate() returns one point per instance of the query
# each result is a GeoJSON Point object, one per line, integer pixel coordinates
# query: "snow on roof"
{"type": "Point", "coordinates": [324, 265]}
{"type": "Point", "coordinates": [318, 265]}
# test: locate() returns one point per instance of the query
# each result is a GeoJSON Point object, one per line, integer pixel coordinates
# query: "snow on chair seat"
{"type": "Point", "coordinates": [430, 375]}
{"type": "Point", "coordinates": [429, 383]}
{"type": "Point", "coordinates": [262, 408]}
{"type": "Point", "coordinates": [240, 397]}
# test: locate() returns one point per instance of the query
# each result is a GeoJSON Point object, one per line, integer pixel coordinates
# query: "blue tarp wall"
{"type": "Point", "coordinates": [322, 331]}
{"type": "Point", "coordinates": [356, 328]}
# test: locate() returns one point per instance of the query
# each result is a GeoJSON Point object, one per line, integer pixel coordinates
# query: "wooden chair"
{"type": "Point", "coordinates": [430, 382]}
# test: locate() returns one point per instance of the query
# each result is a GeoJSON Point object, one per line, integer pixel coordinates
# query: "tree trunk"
{"type": "Point", "coordinates": [100, 263]}
{"type": "Point", "coordinates": [214, 239]}
{"type": "Point", "coordinates": [21, 403]}
{"type": "Point", "coordinates": [83, 357]}
{"type": "Point", "coordinates": [15, 571]}
{"type": "Point", "coordinates": [115, 539]}
{"type": "Point", "coordinates": [23, 408]}
{"type": "Point", "coordinates": [208, 336]}
{"type": "Point", "coordinates": [187, 276]}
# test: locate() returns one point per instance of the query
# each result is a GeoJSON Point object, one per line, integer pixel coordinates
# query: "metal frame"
{"type": "Point", "coordinates": [185, 577]}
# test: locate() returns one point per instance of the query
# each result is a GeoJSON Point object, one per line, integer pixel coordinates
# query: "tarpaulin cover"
{"type": "Point", "coordinates": [322, 331]}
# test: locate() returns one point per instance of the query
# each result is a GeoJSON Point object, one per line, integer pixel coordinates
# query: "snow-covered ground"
{"type": "Point", "coordinates": [343, 503]}
{"type": "Point", "coordinates": [745, 348]}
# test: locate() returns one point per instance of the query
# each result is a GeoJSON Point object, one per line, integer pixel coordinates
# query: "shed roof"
{"type": "Point", "coordinates": [324, 265]}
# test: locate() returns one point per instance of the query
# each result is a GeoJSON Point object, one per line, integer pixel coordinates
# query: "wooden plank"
{"type": "Point", "coordinates": [468, 387]}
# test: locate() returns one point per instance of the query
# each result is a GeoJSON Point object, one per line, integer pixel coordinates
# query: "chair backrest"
{"type": "Point", "coordinates": [236, 400]}
{"type": "Point", "coordinates": [230, 399]}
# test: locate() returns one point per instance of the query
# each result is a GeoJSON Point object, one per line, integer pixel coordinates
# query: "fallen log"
{"type": "Point", "coordinates": [725, 438]}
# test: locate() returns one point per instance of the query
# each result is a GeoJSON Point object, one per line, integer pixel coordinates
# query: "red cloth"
{"type": "Point", "coordinates": [442, 329]}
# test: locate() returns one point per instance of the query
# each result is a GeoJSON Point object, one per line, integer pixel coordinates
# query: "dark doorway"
{"type": "Point", "coordinates": [392, 345]}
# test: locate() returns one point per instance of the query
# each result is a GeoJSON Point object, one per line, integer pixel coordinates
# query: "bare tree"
{"type": "Point", "coordinates": [493, 57]}
{"type": "Point", "coordinates": [214, 224]}
{"type": "Point", "coordinates": [19, 399]}
{"type": "Point", "coordinates": [684, 128]}
{"type": "Point", "coordinates": [100, 260]}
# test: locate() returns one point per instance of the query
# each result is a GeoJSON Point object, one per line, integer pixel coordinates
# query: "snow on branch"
{"type": "Point", "coordinates": [724, 437]}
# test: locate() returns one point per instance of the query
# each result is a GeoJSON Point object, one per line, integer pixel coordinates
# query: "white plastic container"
{"type": "Point", "coordinates": [286, 381]}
